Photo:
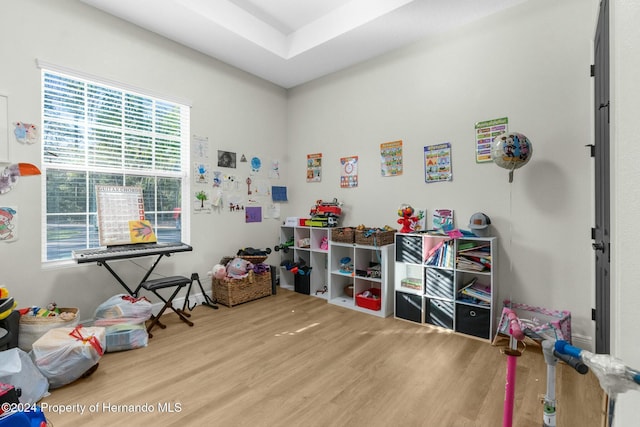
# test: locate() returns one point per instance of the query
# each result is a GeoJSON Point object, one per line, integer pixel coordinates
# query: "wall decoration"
{"type": "Point", "coordinates": [202, 201]}
{"type": "Point", "coordinates": [349, 172]}
{"type": "Point", "coordinates": [279, 194]}
{"type": "Point", "coordinates": [256, 164]}
{"type": "Point", "coordinates": [9, 175]}
{"type": "Point", "coordinates": [442, 220]}
{"type": "Point", "coordinates": [274, 173]}
{"type": "Point", "coordinates": [253, 214]}
{"type": "Point", "coordinates": [201, 172]}
{"type": "Point", "coordinates": [8, 223]}
{"type": "Point", "coordinates": [4, 129]}
{"type": "Point", "coordinates": [200, 147]}
{"type": "Point", "coordinates": [391, 158]}
{"type": "Point", "coordinates": [26, 133]}
{"type": "Point", "coordinates": [485, 133]}
{"type": "Point", "coordinates": [226, 159]}
{"type": "Point", "coordinates": [314, 167]}
{"type": "Point", "coordinates": [243, 159]}
{"type": "Point", "coordinates": [437, 163]}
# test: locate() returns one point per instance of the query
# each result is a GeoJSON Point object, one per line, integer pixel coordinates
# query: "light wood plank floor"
{"type": "Point", "coordinates": [294, 360]}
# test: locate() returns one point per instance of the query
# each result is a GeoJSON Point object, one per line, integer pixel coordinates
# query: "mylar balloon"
{"type": "Point", "coordinates": [511, 150]}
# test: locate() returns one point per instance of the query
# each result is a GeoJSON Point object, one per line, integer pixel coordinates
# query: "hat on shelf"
{"type": "Point", "coordinates": [479, 224]}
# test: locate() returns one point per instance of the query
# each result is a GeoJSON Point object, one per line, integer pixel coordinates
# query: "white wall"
{"type": "Point", "coordinates": [531, 64]}
{"type": "Point", "coordinates": [625, 198]}
{"type": "Point", "coordinates": [236, 111]}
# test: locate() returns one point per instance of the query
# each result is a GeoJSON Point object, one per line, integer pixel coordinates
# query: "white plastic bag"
{"type": "Point", "coordinates": [64, 354]}
{"type": "Point", "coordinates": [18, 370]}
{"type": "Point", "coordinates": [123, 308]}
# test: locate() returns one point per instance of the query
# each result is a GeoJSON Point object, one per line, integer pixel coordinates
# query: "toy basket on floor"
{"type": "Point", "coordinates": [232, 292]}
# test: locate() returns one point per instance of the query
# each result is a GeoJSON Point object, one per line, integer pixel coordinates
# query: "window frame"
{"type": "Point", "coordinates": [128, 176]}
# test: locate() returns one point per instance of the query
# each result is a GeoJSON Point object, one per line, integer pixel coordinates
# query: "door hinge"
{"type": "Point", "coordinates": [593, 314]}
{"type": "Point", "coordinates": [592, 149]}
{"type": "Point", "coordinates": [592, 70]}
{"type": "Point", "coordinates": [593, 233]}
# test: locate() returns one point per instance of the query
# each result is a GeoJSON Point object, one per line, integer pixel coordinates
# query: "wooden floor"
{"type": "Point", "coordinates": [295, 360]}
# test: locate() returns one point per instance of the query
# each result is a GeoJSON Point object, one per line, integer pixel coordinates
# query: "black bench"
{"type": "Point", "coordinates": [176, 282]}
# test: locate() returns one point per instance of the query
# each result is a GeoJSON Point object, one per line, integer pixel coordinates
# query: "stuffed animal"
{"type": "Point", "coordinates": [238, 268]}
{"type": "Point", "coordinates": [218, 272]}
{"type": "Point", "coordinates": [407, 219]}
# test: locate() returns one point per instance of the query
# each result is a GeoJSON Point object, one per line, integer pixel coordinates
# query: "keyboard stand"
{"type": "Point", "coordinates": [133, 293]}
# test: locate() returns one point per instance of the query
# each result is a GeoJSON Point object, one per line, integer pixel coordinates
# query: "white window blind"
{"type": "Point", "coordinates": [97, 134]}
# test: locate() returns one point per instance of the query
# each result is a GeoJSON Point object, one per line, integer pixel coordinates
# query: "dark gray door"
{"type": "Point", "coordinates": [600, 233]}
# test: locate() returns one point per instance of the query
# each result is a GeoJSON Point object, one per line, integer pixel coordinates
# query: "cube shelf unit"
{"type": "Point", "coordinates": [313, 256]}
{"type": "Point", "coordinates": [429, 275]}
{"type": "Point", "coordinates": [378, 281]}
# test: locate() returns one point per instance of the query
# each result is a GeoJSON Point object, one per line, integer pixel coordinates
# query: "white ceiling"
{"type": "Point", "coordinates": [290, 42]}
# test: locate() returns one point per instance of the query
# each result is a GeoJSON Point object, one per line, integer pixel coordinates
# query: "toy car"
{"type": "Point", "coordinates": [284, 246]}
{"type": "Point", "coordinates": [326, 208]}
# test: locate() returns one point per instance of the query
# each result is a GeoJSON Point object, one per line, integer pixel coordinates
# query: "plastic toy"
{"type": "Point", "coordinates": [324, 243]}
{"type": "Point", "coordinates": [407, 219]}
{"type": "Point", "coordinates": [284, 246]}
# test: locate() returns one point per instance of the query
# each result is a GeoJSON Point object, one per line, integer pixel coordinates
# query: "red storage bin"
{"type": "Point", "coordinates": [372, 302]}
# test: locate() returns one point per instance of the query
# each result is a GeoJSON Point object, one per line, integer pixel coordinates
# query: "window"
{"type": "Point", "coordinates": [97, 134]}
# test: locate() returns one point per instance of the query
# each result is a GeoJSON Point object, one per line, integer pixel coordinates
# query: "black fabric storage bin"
{"type": "Point", "coordinates": [302, 283]}
{"type": "Point", "coordinates": [439, 283]}
{"type": "Point", "coordinates": [409, 307]}
{"type": "Point", "coordinates": [472, 320]}
{"type": "Point", "coordinates": [439, 313]}
{"type": "Point", "coordinates": [409, 249]}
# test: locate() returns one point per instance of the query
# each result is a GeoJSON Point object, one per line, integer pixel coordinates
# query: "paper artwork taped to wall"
{"type": "Point", "coordinates": [226, 159]}
{"type": "Point", "coordinates": [253, 214]}
{"type": "Point", "coordinates": [443, 220]}
{"type": "Point", "coordinates": [201, 171]}
{"type": "Point", "coordinates": [485, 132]}
{"type": "Point", "coordinates": [314, 167]}
{"type": "Point", "coordinates": [202, 202]}
{"type": "Point", "coordinates": [26, 133]}
{"type": "Point", "coordinates": [437, 163]}
{"type": "Point", "coordinates": [349, 172]}
{"type": "Point", "coordinates": [8, 223]}
{"type": "Point", "coordinates": [391, 158]}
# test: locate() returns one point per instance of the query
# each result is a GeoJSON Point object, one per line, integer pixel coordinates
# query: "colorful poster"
{"type": "Point", "coordinates": [485, 132]}
{"type": "Point", "coordinates": [437, 163]}
{"type": "Point", "coordinates": [442, 220]}
{"type": "Point", "coordinates": [391, 158]}
{"type": "Point", "coordinates": [314, 167]}
{"type": "Point", "coordinates": [349, 172]}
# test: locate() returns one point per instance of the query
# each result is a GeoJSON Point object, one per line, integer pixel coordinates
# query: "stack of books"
{"type": "Point", "coordinates": [474, 257]}
{"type": "Point", "coordinates": [475, 292]}
{"type": "Point", "coordinates": [441, 255]}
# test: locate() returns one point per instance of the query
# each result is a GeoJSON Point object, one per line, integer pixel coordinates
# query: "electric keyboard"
{"type": "Point", "coordinates": [128, 251]}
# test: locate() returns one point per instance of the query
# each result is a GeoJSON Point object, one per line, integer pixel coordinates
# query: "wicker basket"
{"type": "Point", "coordinates": [343, 235]}
{"type": "Point", "coordinates": [30, 328]}
{"type": "Point", "coordinates": [377, 238]}
{"type": "Point", "coordinates": [232, 292]}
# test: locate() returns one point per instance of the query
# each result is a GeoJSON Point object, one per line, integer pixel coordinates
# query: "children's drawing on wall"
{"type": "Point", "coordinates": [201, 172]}
{"type": "Point", "coordinates": [256, 164]}
{"type": "Point", "coordinates": [274, 172]}
{"type": "Point", "coordinates": [391, 158]}
{"type": "Point", "coordinates": [217, 179]}
{"type": "Point", "coordinates": [230, 182]}
{"type": "Point", "coordinates": [202, 202]}
{"type": "Point", "coordinates": [8, 223]}
{"type": "Point", "coordinates": [486, 131]}
{"type": "Point", "coordinates": [349, 172]}
{"type": "Point", "coordinates": [226, 159]}
{"type": "Point", "coordinates": [253, 214]}
{"type": "Point", "coordinates": [26, 133]}
{"type": "Point", "coordinates": [200, 147]}
{"type": "Point", "coordinates": [243, 159]}
{"type": "Point", "coordinates": [443, 220]}
{"type": "Point", "coordinates": [437, 163]}
{"type": "Point", "coordinates": [314, 167]}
